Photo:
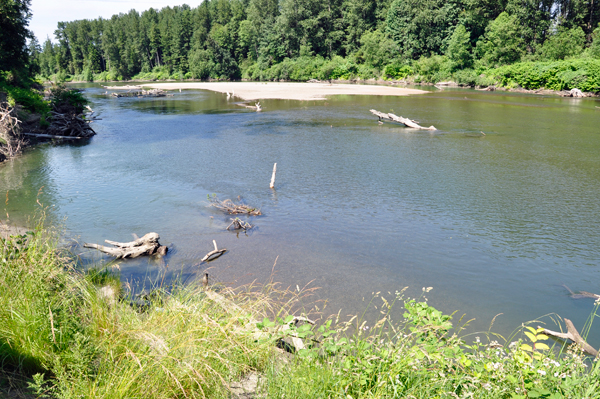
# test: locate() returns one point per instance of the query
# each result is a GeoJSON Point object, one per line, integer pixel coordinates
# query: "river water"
{"type": "Point", "coordinates": [495, 223]}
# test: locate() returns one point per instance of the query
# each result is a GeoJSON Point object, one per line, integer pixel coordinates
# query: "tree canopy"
{"type": "Point", "coordinates": [223, 39]}
{"type": "Point", "coordinates": [14, 18]}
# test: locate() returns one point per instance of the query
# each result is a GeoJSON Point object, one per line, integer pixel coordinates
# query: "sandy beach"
{"type": "Point", "coordinates": [252, 91]}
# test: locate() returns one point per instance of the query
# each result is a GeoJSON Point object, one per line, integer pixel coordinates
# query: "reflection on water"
{"type": "Point", "coordinates": [496, 223]}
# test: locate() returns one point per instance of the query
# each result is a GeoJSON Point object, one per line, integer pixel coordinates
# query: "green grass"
{"type": "Point", "coordinates": [67, 333]}
{"type": "Point", "coordinates": [59, 331]}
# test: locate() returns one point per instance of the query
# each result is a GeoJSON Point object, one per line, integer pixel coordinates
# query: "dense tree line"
{"type": "Point", "coordinates": [225, 39]}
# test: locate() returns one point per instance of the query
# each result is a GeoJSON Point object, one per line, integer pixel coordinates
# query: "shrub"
{"type": "Point", "coordinates": [397, 71]}
{"type": "Point", "coordinates": [583, 74]}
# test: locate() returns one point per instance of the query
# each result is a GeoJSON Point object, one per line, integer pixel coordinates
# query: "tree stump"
{"type": "Point", "coordinates": [147, 245]}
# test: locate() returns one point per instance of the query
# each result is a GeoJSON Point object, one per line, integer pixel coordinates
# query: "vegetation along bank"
{"type": "Point", "coordinates": [550, 44]}
{"type": "Point", "coordinates": [67, 333]}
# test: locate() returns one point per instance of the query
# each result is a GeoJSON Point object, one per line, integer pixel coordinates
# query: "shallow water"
{"type": "Point", "coordinates": [495, 223]}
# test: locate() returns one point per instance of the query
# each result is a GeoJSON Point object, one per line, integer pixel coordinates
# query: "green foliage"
{"type": "Point", "coordinates": [66, 333]}
{"type": "Point", "coordinates": [422, 28]}
{"type": "Point", "coordinates": [459, 48]}
{"type": "Point", "coordinates": [14, 18]}
{"type": "Point", "coordinates": [60, 96]}
{"type": "Point", "coordinates": [309, 39]}
{"type": "Point", "coordinates": [30, 99]}
{"type": "Point", "coordinates": [432, 69]}
{"type": "Point", "coordinates": [62, 331]}
{"type": "Point", "coordinates": [377, 49]}
{"type": "Point", "coordinates": [563, 44]}
{"type": "Point", "coordinates": [397, 71]}
{"type": "Point", "coordinates": [583, 74]}
{"type": "Point", "coordinates": [502, 42]}
{"type": "Point", "coordinates": [595, 47]}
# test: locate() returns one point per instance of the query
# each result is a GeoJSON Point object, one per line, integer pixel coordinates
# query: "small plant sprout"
{"type": "Point", "coordinates": [535, 335]}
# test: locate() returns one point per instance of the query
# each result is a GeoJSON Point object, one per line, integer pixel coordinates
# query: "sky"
{"type": "Point", "coordinates": [48, 13]}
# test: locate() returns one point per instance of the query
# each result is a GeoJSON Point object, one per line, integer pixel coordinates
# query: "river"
{"type": "Point", "coordinates": [495, 223]}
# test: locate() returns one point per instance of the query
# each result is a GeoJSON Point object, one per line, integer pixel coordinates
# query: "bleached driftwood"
{"type": "Point", "coordinates": [399, 119]}
{"type": "Point", "coordinates": [256, 106]}
{"type": "Point", "coordinates": [272, 185]}
{"type": "Point", "coordinates": [576, 93]}
{"type": "Point", "coordinates": [213, 254]}
{"type": "Point", "coordinates": [410, 122]}
{"type": "Point", "coordinates": [52, 136]}
{"type": "Point", "coordinates": [574, 336]}
{"type": "Point", "coordinates": [147, 245]}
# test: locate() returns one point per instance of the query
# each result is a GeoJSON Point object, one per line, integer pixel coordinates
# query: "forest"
{"type": "Point", "coordinates": [298, 40]}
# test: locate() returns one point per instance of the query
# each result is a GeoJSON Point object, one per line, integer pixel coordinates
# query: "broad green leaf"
{"type": "Point", "coordinates": [531, 337]}
{"type": "Point", "coordinates": [541, 346]}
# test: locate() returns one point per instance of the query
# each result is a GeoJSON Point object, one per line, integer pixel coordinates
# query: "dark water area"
{"type": "Point", "coordinates": [495, 223]}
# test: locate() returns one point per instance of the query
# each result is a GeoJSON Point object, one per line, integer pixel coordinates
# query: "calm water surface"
{"type": "Point", "coordinates": [495, 223]}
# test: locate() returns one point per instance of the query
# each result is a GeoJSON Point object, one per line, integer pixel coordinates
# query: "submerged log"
{"type": "Point", "coordinates": [581, 294]}
{"type": "Point", "coordinates": [573, 335]}
{"type": "Point", "coordinates": [147, 245]}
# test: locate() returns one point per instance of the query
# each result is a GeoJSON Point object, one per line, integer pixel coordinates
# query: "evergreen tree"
{"type": "Point", "coordinates": [14, 18]}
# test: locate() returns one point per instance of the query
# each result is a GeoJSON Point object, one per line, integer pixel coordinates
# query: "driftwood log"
{"type": "Point", "coordinates": [574, 336]}
{"type": "Point", "coordinates": [232, 208]}
{"type": "Point", "coordinates": [213, 254]}
{"type": "Point", "coordinates": [399, 119]}
{"type": "Point", "coordinates": [147, 245]}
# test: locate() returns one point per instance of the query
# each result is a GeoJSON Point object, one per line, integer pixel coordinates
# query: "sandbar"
{"type": "Point", "coordinates": [252, 91]}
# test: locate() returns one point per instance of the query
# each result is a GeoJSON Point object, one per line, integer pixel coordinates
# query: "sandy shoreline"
{"type": "Point", "coordinates": [252, 91]}
{"type": "Point", "coordinates": [9, 230]}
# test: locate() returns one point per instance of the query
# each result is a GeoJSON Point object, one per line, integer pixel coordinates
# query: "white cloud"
{"type": "Point", "coordinates": [48, 13]}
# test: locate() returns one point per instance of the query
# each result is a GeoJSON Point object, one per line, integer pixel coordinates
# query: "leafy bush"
{"type": "Point", "coordinates": [423, 356]}
{"type": "Point", "coordinates": [583, 74]}
{"type": "Point", "coordinates": [397, 71]}
{"type": "Point", "coordinates": [433, 69]}
{"type": "Point", "coordinates": [30, 99]}
{"type": "Point", "coordinates": [61, 96]}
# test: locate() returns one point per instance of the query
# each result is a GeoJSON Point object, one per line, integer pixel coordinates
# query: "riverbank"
{"type": "Point", "coordinates": [66, 333]}
{"type": "Point", "coordinates": [252, 91]}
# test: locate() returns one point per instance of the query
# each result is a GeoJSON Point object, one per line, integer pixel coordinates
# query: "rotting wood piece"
{"type": "Point", "coordinates": [212, 255]}
{"type": "Point", "coordinates": [232, 208]}
{"type": "Point", "coordinates": [573, 335]}
{"type": "Point", "coordinates": [238, 224]}
{"type": "Point", "coordinates": [146, 245]}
